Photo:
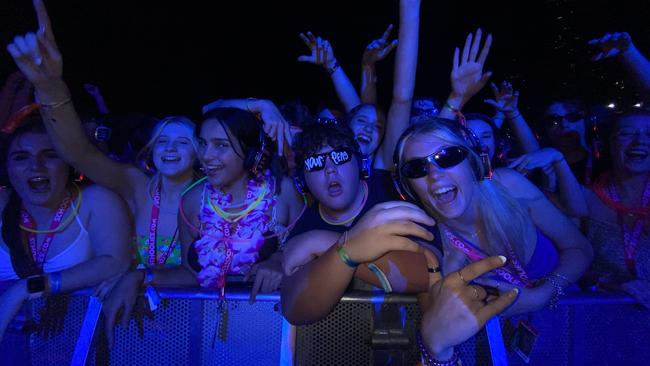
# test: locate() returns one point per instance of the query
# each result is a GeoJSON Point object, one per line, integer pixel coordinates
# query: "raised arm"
{"type": "Point", "coordinates": [376, 51]}
{"type": "Point", "coordinates": [322, 54]}
{"type": "Point", "coordinates": [621, 45]}
{"type": "Point", "coordinates": [406, 60]}
{"type": "Point", "coordinates": [506, 101]}
{"type": "Point", "coordinates": [274, 124]}
{"type": "Point", "coordinates": [38, 57]}
{"type": "Point", "coordinates": [467, 76]}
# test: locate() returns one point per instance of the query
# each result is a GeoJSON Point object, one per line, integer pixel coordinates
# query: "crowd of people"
{"type": "Point", "coordinates": [420, 197]}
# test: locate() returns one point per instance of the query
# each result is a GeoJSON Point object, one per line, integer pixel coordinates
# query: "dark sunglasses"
{"type": "Point", "coordinates": [556, 121]}
{"type": "Point", "coordinates": [444, 158]}
{"type": "Point", "coordinates": [316, 162]}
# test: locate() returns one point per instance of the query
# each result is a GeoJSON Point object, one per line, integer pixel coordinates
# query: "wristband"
{"type": "Point", "coordinates": [343, 254]}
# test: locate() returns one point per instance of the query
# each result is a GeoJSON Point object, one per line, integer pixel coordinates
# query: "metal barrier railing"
{"type": "Point", "coordinates": [189, 328]}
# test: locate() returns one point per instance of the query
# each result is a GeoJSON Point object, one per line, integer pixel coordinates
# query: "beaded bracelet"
{"type": "Point", "coordinates": [428, 360]}
{"type": "Point", "coordinates": [554, 280]}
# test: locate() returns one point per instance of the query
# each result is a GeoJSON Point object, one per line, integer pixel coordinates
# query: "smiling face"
{"type": "Point", "coordinates": [485, 133]}
{"type": "Point", "coordinates": [173, 150]}
{"type": "Point", "coordinates": [367, 128]}
{"type": "Point", "coordinates": [630, 144]}
{"type": "Point", "coordinates": [35, 170]}
{"type": "Point", "coordinates": [334, 186]}
{"type": "Point", "coordinates": [446, 192]}
{"type": "Point", "coordinates": [221, 159]}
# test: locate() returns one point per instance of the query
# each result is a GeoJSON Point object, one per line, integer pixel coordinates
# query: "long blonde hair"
{"type": "Point", "coordinates": [505, 221]}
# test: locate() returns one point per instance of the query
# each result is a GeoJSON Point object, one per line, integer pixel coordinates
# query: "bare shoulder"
{"type": "Point", "coordinates": [100, 194]}
{"type": "Point", "coordinates": [516, 184]}
{"type": "Point", "coordinates": [191, 200]}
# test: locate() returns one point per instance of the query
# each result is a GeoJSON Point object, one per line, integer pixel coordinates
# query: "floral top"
{"type": "Point", "coordinates": [231, 245]}
{"type": "Point", "coordinates": [141, 252]}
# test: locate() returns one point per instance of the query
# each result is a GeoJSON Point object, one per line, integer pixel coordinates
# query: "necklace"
{"type": "Point", "coordinates": [233, 217]}
{"type": "Point", "coordinates": [350, 219]}
{"type": "Point", "coordinates": [63, 224]}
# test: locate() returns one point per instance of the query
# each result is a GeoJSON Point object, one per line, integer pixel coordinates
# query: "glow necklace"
{"type": "Point", "coordinates": [236, 216]}
{"type": "Point", "coordinates": [64, 223]}
{"type": "Point", "coordinates": [349, 220]}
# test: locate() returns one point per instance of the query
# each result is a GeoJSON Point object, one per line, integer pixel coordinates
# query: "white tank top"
{"type": "Point", "coordinates": [80, 250]}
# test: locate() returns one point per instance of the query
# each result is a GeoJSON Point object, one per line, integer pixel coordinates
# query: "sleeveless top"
{"type": "Point", "coordinates": [80, 250]}
{"type": "Point", "coordinates": [232, 248]}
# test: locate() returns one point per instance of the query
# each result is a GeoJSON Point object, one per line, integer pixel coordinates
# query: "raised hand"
{"type": "Point", "coordinates": [378, 49]}
{"type": "Point", "coordinates": [457, 310]}
{"type": "Point", "coordinates": [467, 76]}
{"type": "Point", "coordinates": [611, 44]}
{"type": "Point", "coordinates": [505, 98]}
{"type": "Point", "coordinates": [275, 126]}
{"type": "Point", "coordinates": [321, 51]}
{"type": "Point", "coordinates": [384, 228]}
{"type": "Point", "coordinates": [36, 54]}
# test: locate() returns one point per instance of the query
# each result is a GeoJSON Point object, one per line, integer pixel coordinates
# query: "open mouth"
{"type": "Point", "coordinates": [363, 139]}
{"type": "Point", "coordinates": [334, 188]}
{"type": "Point", "coordinates": [40, 184]}
{"type": "Point", "coordinates": [445, 195]}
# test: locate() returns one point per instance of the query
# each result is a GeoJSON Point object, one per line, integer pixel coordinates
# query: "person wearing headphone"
{"type": "Point", "coordinates": [439, 167]}
{"type": "Point", "coordinates": [231, 223]}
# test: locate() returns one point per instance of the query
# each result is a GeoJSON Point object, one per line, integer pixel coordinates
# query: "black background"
{"type": "Point", "coordinates": [171, 58]}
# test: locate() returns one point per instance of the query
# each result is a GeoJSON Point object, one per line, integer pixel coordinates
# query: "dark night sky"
{"type": "Point", "coordinates": [171, 58]}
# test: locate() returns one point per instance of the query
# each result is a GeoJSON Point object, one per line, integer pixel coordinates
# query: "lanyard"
{"type": "Point", "coordinates": [28, 221]}
{"type": "Point", "coordinates": [631, 234]}
{"type": "Point", "coordinates": [153, 230]}
{"type": "Point", "coordinates": [474, 254]}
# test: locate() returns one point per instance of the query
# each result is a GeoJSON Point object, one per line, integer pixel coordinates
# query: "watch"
{"type": "Point", "coordinates": [36, 284]}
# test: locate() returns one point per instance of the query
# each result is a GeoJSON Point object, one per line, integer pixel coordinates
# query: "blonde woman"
{"type": "Point", "coordinates": [439, 167]}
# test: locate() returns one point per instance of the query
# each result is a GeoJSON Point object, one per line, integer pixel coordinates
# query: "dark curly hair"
{"type": "Point", "coordinates": [317, 135]}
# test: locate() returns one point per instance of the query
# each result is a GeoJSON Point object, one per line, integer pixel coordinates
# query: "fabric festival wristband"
{"type": "Point", "coordinates": [346, 258]}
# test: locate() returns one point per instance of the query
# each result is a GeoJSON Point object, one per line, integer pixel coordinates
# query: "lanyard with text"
{"type": "Point", "coordinates": [153, 230]}
{"type": "Point", "coordinates": [28, 221]}
{"type": "Point", "coordinates": [519, 279]}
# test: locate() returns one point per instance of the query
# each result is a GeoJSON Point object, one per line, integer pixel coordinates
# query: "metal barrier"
{"type": "Point", "coordinates": [364, 329]}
